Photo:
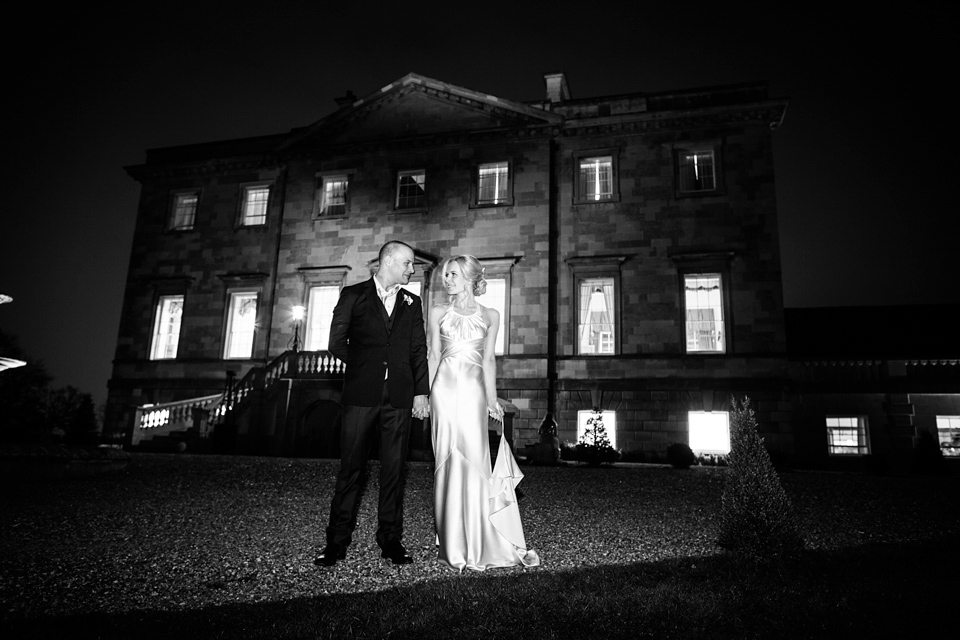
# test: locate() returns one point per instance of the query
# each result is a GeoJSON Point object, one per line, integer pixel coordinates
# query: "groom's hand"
{"type": "Point", "coordinates": [421, 407]}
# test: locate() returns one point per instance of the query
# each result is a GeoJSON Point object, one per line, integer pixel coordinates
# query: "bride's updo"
{"type": "Point", "coordinates": [472, 271]}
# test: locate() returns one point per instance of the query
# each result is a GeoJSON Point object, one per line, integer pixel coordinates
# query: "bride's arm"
{"type": "Point", "coordinates": [433, 340]}
{"type": "Point", "coordinates": [492, 318]}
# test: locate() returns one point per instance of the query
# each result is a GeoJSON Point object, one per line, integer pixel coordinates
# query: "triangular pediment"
{"type": "Point", "coordinates": [416, 106]}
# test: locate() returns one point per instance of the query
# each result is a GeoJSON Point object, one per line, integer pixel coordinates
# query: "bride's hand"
{"type": "Point", "coordinates": [495, 411]}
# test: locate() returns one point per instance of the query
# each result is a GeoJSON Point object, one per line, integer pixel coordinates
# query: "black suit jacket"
{"type": "Point", "coordinates": [370, 346]}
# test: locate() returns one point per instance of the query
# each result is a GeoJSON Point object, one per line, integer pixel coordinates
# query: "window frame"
{"type": "Point", "coordinates": [608, 416]}
{"type": "Point", "coordinates": [157, 319]}
{"type": "Point", "coordinates": [950, 425]}
{"type": "Point", "coordinates": [245, 190]}
{"type": "Point", "coordinates": [228, 321]}
{"type": "Point", "coordinates": [863, 436]}
{"type": "Point", "coordinates": [579, 198]}
{"type": "Point", "coordinates": [476, 202]}
{"type": "Point", "coordinates": [712, 146]}
{"type": "Point", "coordinates": [723, 305]}
{"type": "Point", "coordinates": [175, 197]}
{"type": "Point", "coordinates": [320, 207]}
{"type": "Point", "coordinates": [312, 277]}
{"type": "Point", "coordinates": [396, 200]}
{"type": "Point", "coordinates": [701, 263]}
{"type": "Point", "coordinates": [590, 268]}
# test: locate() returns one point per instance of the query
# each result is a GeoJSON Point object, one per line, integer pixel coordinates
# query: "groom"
{"type": "Point", "coordinates": [378, 333]}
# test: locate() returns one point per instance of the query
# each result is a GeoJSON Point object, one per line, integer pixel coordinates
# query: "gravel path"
{"type": "Point", "coordinates": [179, 531]}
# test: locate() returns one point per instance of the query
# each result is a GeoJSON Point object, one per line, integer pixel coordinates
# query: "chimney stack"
{"type": "Point", "coordinates": [557, 90]}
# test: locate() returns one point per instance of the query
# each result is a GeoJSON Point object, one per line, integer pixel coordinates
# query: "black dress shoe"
{"type": "Point", "coordinates": [395, 552]}
{"type": "Point", "coordinates": [330, 554]}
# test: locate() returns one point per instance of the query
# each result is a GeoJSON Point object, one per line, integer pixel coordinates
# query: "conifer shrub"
{"type": "Point", "coordinates": [594, 447]}
{"type": "Point", "coordinates": [756, 517]}
{"type": "Point", "coordinates": [680, 455]}
{"type": "Point", "coordinates": [928, 456]}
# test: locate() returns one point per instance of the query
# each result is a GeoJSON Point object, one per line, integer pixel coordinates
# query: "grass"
{"type": "Point", "coordinates": [880, 562]}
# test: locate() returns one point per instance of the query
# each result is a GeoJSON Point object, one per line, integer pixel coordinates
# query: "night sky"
{"type": "Point", "coordinates": [866, 159]}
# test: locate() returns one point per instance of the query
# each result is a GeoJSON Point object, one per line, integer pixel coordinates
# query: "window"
{"type": "Point", "coordinates": [493, 184]}
{"type": "Point", "coordinates": [183, 211]}
{"type": "Point", "coordinates": [703, 310]}
{"type": "Point", "coordinates": [696, 171]}
{"type": "Point", "coordinates": [495, 297]}
{"type": "Point", "coordinates": [320, 303]}
{"type": "Point", "coordinates": [253, 211]}
{"type": "Point", "coordinates": [847, 436]}
{"type": "Point", "coordinates": [609, 425]}
{"type": "Point", "coordinates": [166, 328]}
{"type": "Point", "coordinates": [241, 324]}
{"type": "Point", "coordinates": [596, 308]}
{"type": "Point", "coordinates": [332, 196]}
{"type": "Point", "coordinates": [948, 429]}
{"type": "Point", "coordinates": [595, 329]}
{"type": "Point", "coordinates": [412, 189]}
{"type": "Point", "coordinates": [709, 431]}
{"type": "Point", "coordinates": [596, 179]}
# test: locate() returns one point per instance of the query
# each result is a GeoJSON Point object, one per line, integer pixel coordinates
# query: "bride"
{"type": "Point", "coordinates": [478, 522]}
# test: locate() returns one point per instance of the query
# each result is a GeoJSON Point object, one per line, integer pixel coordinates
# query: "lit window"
{"type": "Point", "coordinates": [703, 306]}
{"type": "Point", "coordinates": [241, 324]}
{"type": "Point", "coordinates": [709, 431]}
{"type": "Point", "coordinates": [184, 211]}
{"type": "Point", "coordinates": [412, 189]}
{"type": "Point", "coordinates": [596, 328]}
{"type": "Point", "coordinates": [697, 171]}
{"type": "Point", "coordinates": [332, 196]}
{"type": "Point", "coordinates": [493, 183]}
{"type": "Point", "coordinates": [847, 436]}
{"type": "Point", "coordinates": [166, 328]}
{"type": "Point", "coordinates": [948, 429]}
{"type": "Point", "coordinates": [609, 425]}
{"type": "Point", "coordinates": [254, 208]}
{"type": "Point", "coordinates": [595, 178]}
{"type": "Point", "coordinates": [320, 304]}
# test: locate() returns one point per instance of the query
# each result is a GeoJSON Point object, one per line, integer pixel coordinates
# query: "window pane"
{"type": "Point", "coordinates": [596, 328]}
{"type": "Point", "coordinates": [696, 171]}
{"type": "Point", "coordinates": [948, 430]}
{"type": "Point", "coordinates": [496, 298]}
{"type": "Point", "coordinates": [609, 425]}
{"type": "Point", "coordinates": [492, 182]}
{"type": "Point", "coordinates": [241, 324]}
{"type": "Point", "coordinates": [411, 189]}
{"type": "Point", "coordinates": [320, 304]}
{"type": "Point", "coordinates": [184, 211]}
{"type": "Point", "coordinates": [596, 178]}
{"type": "Point", "coordinates": [255, 205]}
{"type": "Point", "coordinates": [709, 431]}
{"type": "Point", "coordinates": [703, 303]}
{"type": "Point", "coordinates": [847, 436]}
{"type": "Point", "coordinates": [166, 328]}
{"type": "Point", "coordinates": [334, 196]}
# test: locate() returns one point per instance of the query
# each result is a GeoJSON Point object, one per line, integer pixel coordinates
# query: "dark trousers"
{"type": "Point", "coordinates": [359, 426]}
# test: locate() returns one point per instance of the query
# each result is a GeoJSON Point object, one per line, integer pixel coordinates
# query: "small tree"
{"type": "Point", "coordinates": [756, 517]}
{"type": "Point", "coordinates": [594, 446]}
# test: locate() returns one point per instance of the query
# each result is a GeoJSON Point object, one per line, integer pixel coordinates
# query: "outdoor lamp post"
{"type": "Point", "coordinates": [298, 311]}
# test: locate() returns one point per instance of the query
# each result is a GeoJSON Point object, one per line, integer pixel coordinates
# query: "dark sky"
{"type": "Point", "coordinates": [866, 159]}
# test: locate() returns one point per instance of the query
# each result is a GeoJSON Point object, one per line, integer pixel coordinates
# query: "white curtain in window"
{"type": "Point", "coordinates": [596, 313]}
{"type": "Point", "coordinates": [704, 311]}
{"type": "Point", "coordinates": [241, 325]}
{"type": "Point", "coordinates": [166, 328]}
{"type": "Point", "coordinates": [320, 304]}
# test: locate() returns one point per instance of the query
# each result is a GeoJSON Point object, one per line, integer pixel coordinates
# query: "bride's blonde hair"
{"type": "Point", "coordinates": [472, 271]}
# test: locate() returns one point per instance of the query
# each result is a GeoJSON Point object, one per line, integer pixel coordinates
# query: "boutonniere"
{"type": "Point", "coordinates": [407, 299]}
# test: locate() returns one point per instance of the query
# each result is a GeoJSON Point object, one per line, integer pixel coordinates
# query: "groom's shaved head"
{"type": "Point", "coordinates": [391, 248]}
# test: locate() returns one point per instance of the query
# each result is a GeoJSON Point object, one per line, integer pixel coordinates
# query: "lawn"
{"type": "Point", "coordinates": [222, 547]}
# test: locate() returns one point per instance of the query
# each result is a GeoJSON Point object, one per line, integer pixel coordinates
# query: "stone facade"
{"type": "Point", "coordinates": [544, 240]}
